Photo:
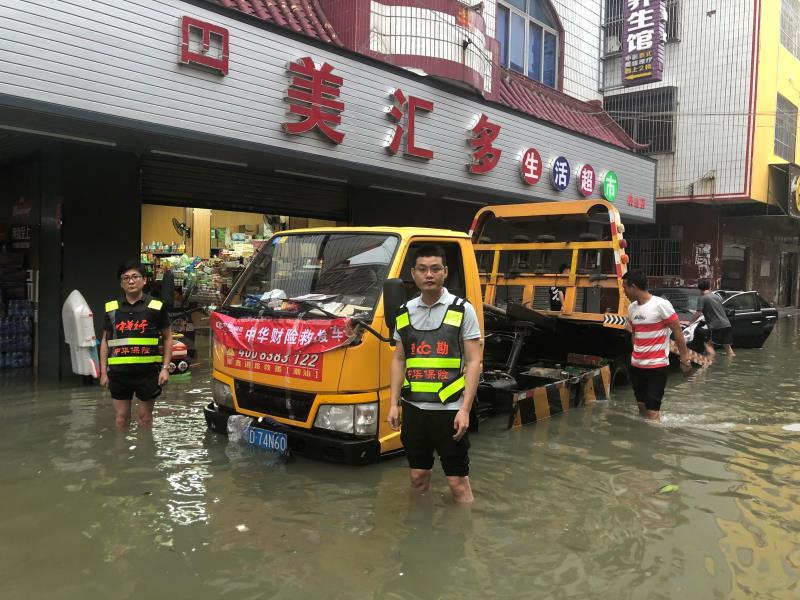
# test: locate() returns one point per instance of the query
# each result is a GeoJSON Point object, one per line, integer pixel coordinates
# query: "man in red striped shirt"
{"type": "Point", "coordinates": [651, 319]}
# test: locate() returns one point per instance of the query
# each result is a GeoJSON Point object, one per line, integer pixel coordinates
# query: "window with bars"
{"type": "Point", "coordinates": [647, 116]}
{"type": "Point", "coordinates": [785, 129]}
{"type": "Point", "coordinates": [612, 27]}
{"type": "Point", "coordinates": [790, 26]}
{"type": "Point", "coordinates": [660, 257]}
{"type": "Point", "coordinates": [528, 37]}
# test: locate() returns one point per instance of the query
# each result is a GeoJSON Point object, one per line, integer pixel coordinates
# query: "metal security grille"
{"type": "Point", "coordinates": [656, 257]}
{"type": "Point", "coordinates": [790, 26]}
{"type": "Point", "coordinates": [612, 27]}
{"type": "Point", "coordinates": [273, 401]}
{"type": "Point", "coordinates": [785, 129]}
{"type": "Point", "coordinates": [648, 117]}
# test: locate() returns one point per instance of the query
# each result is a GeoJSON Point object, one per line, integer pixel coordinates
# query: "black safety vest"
{"type": "Point", "coordinates": [435, 358]}
{"type": "Point", "coordinates": [136, 336]}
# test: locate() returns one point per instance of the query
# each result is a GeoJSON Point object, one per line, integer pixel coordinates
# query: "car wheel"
{"type": "Point", "coordinates": [183, 366]}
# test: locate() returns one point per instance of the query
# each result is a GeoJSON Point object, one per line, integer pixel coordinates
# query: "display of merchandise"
{"type": "Point", "coordinates": [16, 334]}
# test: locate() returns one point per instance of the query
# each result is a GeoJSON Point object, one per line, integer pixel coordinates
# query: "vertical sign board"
{"type": "Point", "coordinates": [644, 38]}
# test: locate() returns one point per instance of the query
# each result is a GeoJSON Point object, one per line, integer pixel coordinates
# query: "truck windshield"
{"type": "Point", "coordinates": [343, 273]}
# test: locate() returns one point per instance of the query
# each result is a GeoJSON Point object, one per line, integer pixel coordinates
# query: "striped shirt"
{"type": "Point", "coordinates": [650, 322]}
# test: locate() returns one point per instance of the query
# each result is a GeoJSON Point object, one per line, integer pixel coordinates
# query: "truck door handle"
{"type": "Point", "coordinates": [756, 322]}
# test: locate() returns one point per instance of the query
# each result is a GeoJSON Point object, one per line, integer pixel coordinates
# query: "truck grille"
{"type": "Point", "coordinates": [274, 402]}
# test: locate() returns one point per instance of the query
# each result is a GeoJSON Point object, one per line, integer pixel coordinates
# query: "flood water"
{"type": "Point", "coordinates": [564, 509]}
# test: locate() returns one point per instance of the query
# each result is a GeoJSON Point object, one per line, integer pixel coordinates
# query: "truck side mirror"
{"type": "Point", "coordinates": [394, 296]}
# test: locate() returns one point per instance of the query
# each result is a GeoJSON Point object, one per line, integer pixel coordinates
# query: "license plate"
{"type": "Point", "coordinates": [274, 441]}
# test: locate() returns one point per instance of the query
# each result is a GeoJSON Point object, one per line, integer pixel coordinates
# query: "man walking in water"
{"type": "Point", "coordinates": [436, 368]}
{"type": "Point", "coordinates": [651, 319]}
{"type": "Point", "coordinates": [710, 306]}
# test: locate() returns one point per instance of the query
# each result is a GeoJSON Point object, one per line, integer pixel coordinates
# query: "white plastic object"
{"type": "Point", "coordinates": [79, 334]}
{"type": "Point", "coordinates": [237, 427]}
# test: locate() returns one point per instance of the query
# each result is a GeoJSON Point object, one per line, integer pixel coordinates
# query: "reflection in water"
{"type": "Point", "coordinates": [565, 509]}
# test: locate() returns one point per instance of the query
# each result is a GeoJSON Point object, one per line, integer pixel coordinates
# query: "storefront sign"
{"type": "Point", "coordinates": [560, 174]}
{"type": "Point", "coordinates": [531, 166]}
{"type": "Point", "coordinates": [586, 180]}
{"type": "Point", "coordinates": [404, 110]}
{"type": "Point", "coordinates": [203, 55]}
{"type": "Point", "coordinates": [636, 202]}
{"type": "Point", "coordinates": [485, 156]}
{"type": "Point", "coordinates": [312, 95]}
{"type": "Point", "coordinates": [610, 186]}
{"type": "Point", "coordinates": [644, 41]}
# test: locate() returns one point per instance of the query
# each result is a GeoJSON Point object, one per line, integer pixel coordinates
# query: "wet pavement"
{"type": "Point", "coordinates": [564, 509]}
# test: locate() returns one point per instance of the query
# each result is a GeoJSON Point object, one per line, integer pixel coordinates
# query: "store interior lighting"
{"type": "Point", "coordinates": [60, 136]}
{"type": "Point", "coordinates": [202, 158]}
{"type": "Point", "coordinates": [307, 176]}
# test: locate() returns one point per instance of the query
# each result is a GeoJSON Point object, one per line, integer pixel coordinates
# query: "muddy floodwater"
{"type": "Point", "coordinates": [564, 509]}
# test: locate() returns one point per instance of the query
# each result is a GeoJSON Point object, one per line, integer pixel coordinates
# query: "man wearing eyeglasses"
{"type": "Point", "coordinates": [436, 368]}
{"type": "Point", "coordinates": [136, 348]}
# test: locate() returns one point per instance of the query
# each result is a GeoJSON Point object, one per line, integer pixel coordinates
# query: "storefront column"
{"type": "Point", "coordinates": [47, 265]}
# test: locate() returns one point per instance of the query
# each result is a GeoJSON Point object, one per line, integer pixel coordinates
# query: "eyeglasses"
{"type": "Point", "coordinates": [434, 270]}
{"type": "Point", "coordinates": [130, 278]}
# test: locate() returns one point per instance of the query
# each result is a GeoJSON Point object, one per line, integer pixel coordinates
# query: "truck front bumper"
{"type": "Point", "coordinates": [310, 444]}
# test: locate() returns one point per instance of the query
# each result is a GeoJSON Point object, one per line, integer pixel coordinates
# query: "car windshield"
{"type": "Point", "coordinates": [682, 300]}
{"type": "Point", "coordinates": [343, 273]}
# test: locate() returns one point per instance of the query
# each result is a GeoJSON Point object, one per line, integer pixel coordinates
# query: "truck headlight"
{"type": "Point", "coordinates": [366, 418]}
{"type": "Point", "coordinates": [223, 394]}
{"type": "Point", "coordinates": [361, 419]}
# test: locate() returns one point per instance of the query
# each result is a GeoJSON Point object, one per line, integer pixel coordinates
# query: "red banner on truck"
{"type": "Point", "coordinates": [285, 347]}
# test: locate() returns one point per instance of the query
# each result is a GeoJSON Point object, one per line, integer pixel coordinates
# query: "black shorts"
{"type": "Point", "coordinates": [648, 385]}
{"type": "Point", "coordinates": [427, 430]}
{"type": "Point", "coordinates": [124, 384]}
{"type": "Point", "coordinates": [722, 336]}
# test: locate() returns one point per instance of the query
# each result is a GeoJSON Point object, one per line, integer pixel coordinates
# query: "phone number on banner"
{"type": "Point", "coordinates": [294, 366]}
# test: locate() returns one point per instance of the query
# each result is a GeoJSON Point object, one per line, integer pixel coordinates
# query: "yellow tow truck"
{"type": "Point", "coordinates": [302, 345]}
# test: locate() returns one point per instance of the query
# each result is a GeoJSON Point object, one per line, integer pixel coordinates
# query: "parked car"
{"type": "Point", "coordinates": [752, 317]}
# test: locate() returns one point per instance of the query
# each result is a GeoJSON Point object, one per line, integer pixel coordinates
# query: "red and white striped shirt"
{"type": "Point", "coordinates": [650, 322]}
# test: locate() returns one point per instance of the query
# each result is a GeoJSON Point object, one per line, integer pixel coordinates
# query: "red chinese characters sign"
{"type": "Point", "coordinates": [485, 156]}
{"type": "Point", "coordinates": [291, 348]}
{"type": "Point", "coordinates": [313, 95]}
{"type": "Point", "coordinates": [406, 109]}
{"type": "Point", "coordinates": [203, 55]}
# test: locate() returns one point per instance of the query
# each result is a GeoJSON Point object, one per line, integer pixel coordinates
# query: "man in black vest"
{"type": "Point", "coordinates": [436, 368]}
{"type": "Point", "coordinates": [136, 348]}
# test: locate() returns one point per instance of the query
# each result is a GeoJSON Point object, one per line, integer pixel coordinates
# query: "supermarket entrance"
{"type": "Point", "coordinates": [193, 256]}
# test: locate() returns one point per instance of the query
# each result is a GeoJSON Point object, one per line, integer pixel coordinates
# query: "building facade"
{"type": "Point", "coordinates": [109, 108]}
{"type": "Point", "coordinates": [722, 123]}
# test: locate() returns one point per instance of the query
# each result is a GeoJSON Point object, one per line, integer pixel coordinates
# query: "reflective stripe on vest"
{"type": "Point", "coordinates": [155, 304]}
{"type": "Point", "coordinates": [402, 320]}
{"type": "Point", "coordinates": [133, 360]}
{"type": "Point", "coordinates": [453, 318]}
{"type": "Point", "coordinates": [133, 342]}
{"type": "Point", "coordinates": [112, 305]}
{"type": "Point", "coordinates": [452, 389]}
{"type": "Point", "coordinates": [433, 363]}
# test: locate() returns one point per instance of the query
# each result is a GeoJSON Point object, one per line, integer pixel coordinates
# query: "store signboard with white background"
{"type": "Point", "coordinates": [128, 60]}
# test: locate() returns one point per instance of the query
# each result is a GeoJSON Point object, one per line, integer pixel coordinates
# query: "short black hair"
{"type": "Point", "coordinates": [562, 267]}
{"type": "Point", "coordinates": [429, 250]}
{"type": "Point", "coordinates": [636, 279]}
{"type": "Point", "coordinates": [703, 285]}
{"type": "Point", "coordinates": [129, 265]}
